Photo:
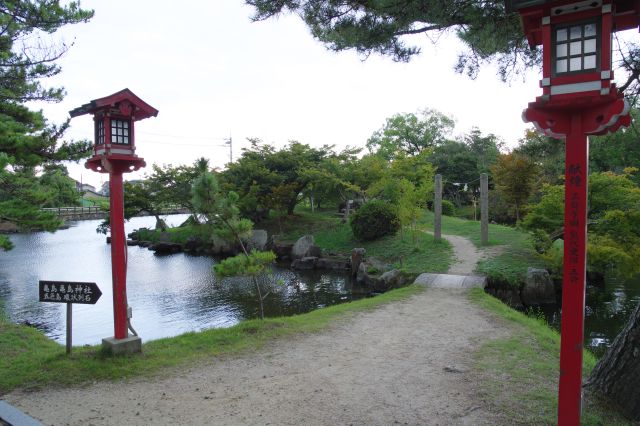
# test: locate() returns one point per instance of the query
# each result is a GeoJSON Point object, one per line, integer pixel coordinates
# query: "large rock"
{"type": "Point", "coordinates": [306, 263]}
{"type": "Point", "coordinates": [282, 250]}
{"type": "Point", "coordinates": [222, 247]}
{"type": "Point", "coordinates": [194, 244]}
{"type": "Point", "coordinates": [258, 240]}
{"type": "Point", "coordinates": [538, 288]}
{"type": "Point", "coordinates": [389, 280]}
{"type": "Point", "coordinates": [305, 247]}
{"type": "Point", "coordinates": [333, 264]}
{"type": "Point", "coordinates": [166, 248]}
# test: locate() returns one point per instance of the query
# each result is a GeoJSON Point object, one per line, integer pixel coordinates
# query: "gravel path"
{"type": "Point", "coordinates": [407, 362]}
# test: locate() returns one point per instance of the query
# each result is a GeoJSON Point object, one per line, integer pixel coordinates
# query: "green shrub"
{"type": "Point", "coordinates": [373, 220]}
{"type": "Point", "coordinates": [448, 209]}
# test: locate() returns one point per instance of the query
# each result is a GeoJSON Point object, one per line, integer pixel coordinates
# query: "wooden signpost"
{"type": "Point", "coordinates": [69, 292]}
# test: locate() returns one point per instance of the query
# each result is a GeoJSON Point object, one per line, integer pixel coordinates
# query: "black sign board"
{"type": "Point", "coordinates": [69, 292]}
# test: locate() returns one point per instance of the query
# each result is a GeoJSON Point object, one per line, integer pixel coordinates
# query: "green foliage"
{"type": "Point", "coordinates": [548, 213]}
{"type": "Point", "coordinates": [253, 264]}
{"type": "Point", "coordinates": [546, 152]}
{"type": "Point", "coordinates": [410, 134]}
{"type": "Point", "coordinates": [448, 209]}
{"type": "Point", "coordinates": [373, 220]}
{"type": "Point", "coordinates": [515, 177]}
{"type": "Point", "coordinates": [268, 178]}
{"type": "Point", "coordinates": [614, 213]}
{"type": "Point", "coordinates": [383, 26]}
{"type": "Point", "coordinates": [27, 140]}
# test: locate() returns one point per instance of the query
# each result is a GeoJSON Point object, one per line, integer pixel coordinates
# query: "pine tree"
{"type": "Point", "coordinates": [27, 140]}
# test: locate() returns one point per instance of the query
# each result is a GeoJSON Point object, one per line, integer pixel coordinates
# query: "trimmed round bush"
{"type": "Point", "coordinates": [448, 209]}
{"type": "Point", "coordinates": [373, 220]}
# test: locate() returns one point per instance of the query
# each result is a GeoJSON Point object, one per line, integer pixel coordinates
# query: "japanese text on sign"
{"type": "Point", "coordinates": [69, 292]}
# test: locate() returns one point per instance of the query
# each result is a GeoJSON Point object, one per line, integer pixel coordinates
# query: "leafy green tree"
{"type": "Point", "coordinates": [173, 183]}
{"type": "Point", "coordinates": [546, 152]}
{"type": "Point", "coordinates": [62, 189]}
{"type": "Point", "coordinates": [515, 177]}
{"type": "Point", "coordinates": [261, 168]}
{"type": "Point", "coordinates": [27, 140]}
{"type": "Point", "coordinates": [333, 179]}
{"type": "Point", "coordinates": [614, 210]}
{"type": "Point", "coordinates": [548, 213]}
{"type": "Point", "coordinates": [410, 134]}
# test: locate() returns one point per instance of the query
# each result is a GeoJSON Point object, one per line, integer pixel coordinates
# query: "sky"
{"type": "Point", "coordinates": [214, 74]}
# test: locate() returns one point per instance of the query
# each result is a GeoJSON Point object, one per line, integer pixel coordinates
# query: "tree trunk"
{"type": "Point", "coordinates": [617, 374]}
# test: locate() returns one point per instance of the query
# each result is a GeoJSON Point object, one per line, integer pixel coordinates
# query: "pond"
{"type": "Point", "coordinates": [607, 311]}
{"type": "Point", "coordinates": [169, 295]}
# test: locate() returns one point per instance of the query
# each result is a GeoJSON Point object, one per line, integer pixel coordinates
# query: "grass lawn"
{"type": "Point", "coordinates": [413, 253]}
{"type": "Point", "coordinates": [520, 373]}
{"type": "Point", "coordinates": [30, 360]}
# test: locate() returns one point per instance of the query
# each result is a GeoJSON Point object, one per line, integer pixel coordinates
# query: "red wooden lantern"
{"type": "Point", "coordinates": [114, 117]}
{"type": "Point", "coordinates": [114, 153]}
{"type": "Point", "coordinates": [578, 99]}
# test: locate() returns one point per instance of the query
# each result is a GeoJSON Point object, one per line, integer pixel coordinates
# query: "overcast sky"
{"type": "Point", "coordinates": [213, 74]}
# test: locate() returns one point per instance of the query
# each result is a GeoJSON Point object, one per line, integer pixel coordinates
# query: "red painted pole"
{"type": "Point", "coordinates": [574, 274]}
{"type": "Point", "coordinates": [118, 254]}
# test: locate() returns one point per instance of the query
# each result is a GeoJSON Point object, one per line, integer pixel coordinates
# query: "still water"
{"type": "Point", "coordinates": [169, 295]}
{"type": "Point", "coordinates": [607, 311]}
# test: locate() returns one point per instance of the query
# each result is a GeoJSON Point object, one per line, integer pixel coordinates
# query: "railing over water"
{"type": "Point", "coordinates": [96, 212]}
{"type": "Point", "coordinates": [77, 212]}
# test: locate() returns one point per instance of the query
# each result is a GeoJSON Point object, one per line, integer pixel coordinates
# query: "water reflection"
{"type": "Point", "coordinates": [607, 311]}
{"type": "Point", "coordinates": [170, 295]}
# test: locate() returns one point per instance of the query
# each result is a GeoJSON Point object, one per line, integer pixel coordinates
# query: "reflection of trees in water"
{"type": "Point", "coordinates": [289, 293]}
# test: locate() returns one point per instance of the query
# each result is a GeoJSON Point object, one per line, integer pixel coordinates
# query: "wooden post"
{"type": "Point", "coordinates": [484, 209]}
{"type": "Point", "coordinates": [437, 209]}
{"type": "Point", "coordinates": [69, 312]}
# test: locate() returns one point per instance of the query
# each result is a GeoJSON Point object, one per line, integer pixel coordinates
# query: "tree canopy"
{"type": "Point", "coordinates": [27, 139]}
{"type": "Point", "coordinates": [386, 27]}
{"type": "Point", "coordinates": [382, 26]}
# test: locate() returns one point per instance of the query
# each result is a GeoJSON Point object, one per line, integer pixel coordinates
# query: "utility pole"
{"type": "Point", "coordinates": [230, 143]}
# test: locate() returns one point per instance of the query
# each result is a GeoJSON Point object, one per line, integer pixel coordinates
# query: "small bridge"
{"type": "Point", "coordinates": [95, 212]}
{"type": "Point", "coordinates": [77, 213]}
{"type": "Point", "coordinates": [451, 281]}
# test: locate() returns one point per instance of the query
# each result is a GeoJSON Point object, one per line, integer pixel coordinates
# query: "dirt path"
{"type": "Point", "coordinates": [467, 255]}
{"type": "Point", "coordinates": [405, 363]}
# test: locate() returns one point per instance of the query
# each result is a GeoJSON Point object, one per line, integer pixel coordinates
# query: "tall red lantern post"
{"type": "Point", "coordinates": [114, 153]}
{"type": "Point", "coordinates": [578, 99]}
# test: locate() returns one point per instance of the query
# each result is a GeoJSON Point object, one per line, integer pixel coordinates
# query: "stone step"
{"type": "Point", "coordinates": [451, 281]}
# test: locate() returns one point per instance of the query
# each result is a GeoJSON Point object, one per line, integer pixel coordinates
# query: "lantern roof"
{"type": "Point", "coordinates": [139, 108]}
{"type": "Point", "coordinates": [626, 13]}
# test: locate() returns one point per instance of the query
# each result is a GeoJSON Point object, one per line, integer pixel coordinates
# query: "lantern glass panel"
{"type": "Point", "coordinates": [590, 30]}
{"type": "Point", "coordinates": [561, 35]}
{"type": "Point", "coordinates": [120, 131]}
{"type": "Point", "coordinates": [590, 62]}
{"type": "Point", "coordinates": [100, 132]}
{"type": "Point", "coordinates": [561, 65]}
{"type": "Point", "coordinates": [575, 64]}
{"type": "Point", "coordinates": [576, 32]}
{"type": "Point", "coordinates": [576, 48]}
{"type": "Point", "coordinates": [561, 50]}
